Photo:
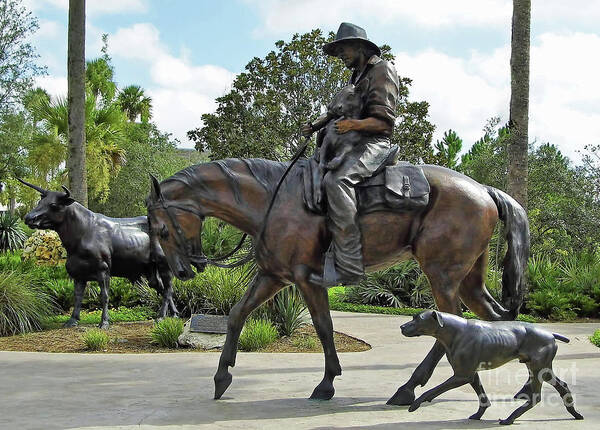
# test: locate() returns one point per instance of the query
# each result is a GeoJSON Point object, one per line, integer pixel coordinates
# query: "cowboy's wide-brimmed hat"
{"type": "Point", "coordinates": [349, 33]}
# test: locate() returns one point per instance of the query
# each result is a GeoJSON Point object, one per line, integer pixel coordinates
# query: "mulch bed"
{"type": "Point", "coordinates": [134, 338]}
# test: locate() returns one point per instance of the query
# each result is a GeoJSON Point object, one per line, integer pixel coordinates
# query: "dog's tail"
{"type": "Point", "coordinates": [516, 233]}
{"type": "Point", "coordinates": [561, 338]}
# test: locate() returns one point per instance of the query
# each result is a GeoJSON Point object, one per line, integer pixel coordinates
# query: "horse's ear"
{"type": "Point", "coordinates": [155, 193]}
{"type": "Point", "coordinates": [438, 317]}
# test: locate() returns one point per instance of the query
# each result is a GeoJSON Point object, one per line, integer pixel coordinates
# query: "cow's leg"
{"type": "Point", "coordinates": [156, 284]}
{"type": "Point", "coordinates": [317, 300]}
{"type": "Point", "coordinates": [104, 283]}
{"type": "Point", "coordinates": [78, 292]}
{"type": "Point", "coordinates": [168, 286]}
{"type": "Point", "coordinates": [263, 287]}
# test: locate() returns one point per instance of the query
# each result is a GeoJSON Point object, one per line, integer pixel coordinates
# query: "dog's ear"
{"type": "Point", "coordinates": [438, 317]}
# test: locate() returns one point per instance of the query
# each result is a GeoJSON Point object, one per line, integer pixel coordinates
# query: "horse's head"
{"type": "Point", "coordinates": [177, 228]}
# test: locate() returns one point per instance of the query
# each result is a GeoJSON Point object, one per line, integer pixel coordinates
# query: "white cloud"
{"type": "Point", "coordinates": [284, 16]}
{"type": "Point", "coordinates": [564, 94]}
{"type": "Point", "coordinates": [181, 91]}
{"type": "Point", "coordinates": [55, 85]}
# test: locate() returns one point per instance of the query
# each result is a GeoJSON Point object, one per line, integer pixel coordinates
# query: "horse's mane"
{"type": "Point", "coordinates": [266, 172]}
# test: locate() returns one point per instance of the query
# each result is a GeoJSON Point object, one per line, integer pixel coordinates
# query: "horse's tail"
{"type": "Point", "coordinates": [516, 233]}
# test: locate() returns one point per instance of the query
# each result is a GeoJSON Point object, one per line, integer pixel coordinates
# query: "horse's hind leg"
{"type": "Point", "coordinates": [475, 295]}
{"type": "Point", "coordinates": [444, 285]}
{"type": "Point", "coordinates": [317, 301]}
{"type": "Point", "coordinates": [263, 287]}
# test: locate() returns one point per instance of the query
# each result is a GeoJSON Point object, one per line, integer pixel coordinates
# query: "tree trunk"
{"type": "Point", "coordinates": [76, 99]}
{"type": "Point", "coordinates": [519, 101]}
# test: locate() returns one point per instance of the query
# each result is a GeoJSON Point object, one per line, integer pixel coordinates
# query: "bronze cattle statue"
{"type": "Point", "coordinates": [99, 247]}
{"type": "Point", "coordinates": [449, 237]}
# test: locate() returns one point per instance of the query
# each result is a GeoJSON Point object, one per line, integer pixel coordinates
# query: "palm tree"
{"type": "Point", "coordinates": [99, 76]}
{"type": "Point", "coordinates": [519, 101]}
{"type": "Point", "coordinates": [104, 135]}
{"type": "Point", "coordinates": [135, 103]}
{"type": "Point", "coordinates": [76, 103]}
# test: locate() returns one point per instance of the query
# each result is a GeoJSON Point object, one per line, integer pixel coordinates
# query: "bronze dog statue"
{"type": "Point", "coordinates": [473, 345]}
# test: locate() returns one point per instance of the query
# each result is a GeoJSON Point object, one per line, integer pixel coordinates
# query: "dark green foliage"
{"type": "Point", "coordinates": [147, 150]}
{"type": "Point", "coordinates": [213, 291]}
{"type": "Point", "coordinates": [257, 334]}
{"type": "Point", "coordinates": [12, 235]}
{"type": "Point", "coordinates": [166, 332]}
{"type": "Point", "coordinates": [398, 286]}
{"type": "Point", "coordinates": [288, 311]}
{"type": "Point", "coordinates": [595, 338]}
{"type": "Point", "coordinates": [95, 339]}
{"type": "Point", "coordinates": [564, 289]}
{"type": "Point", "coordinates": [262, 114]}
{"type": "Point", "coordinates": [23, 303]}
{"type": "Point", "coordinates": [448, 149]}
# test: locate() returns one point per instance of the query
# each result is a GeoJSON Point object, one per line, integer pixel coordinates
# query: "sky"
{"type": "Point", "coordinates": [185, 53]}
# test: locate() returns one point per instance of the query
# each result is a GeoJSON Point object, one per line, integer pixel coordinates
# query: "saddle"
{"type": "Point", "coordinates": [396, 187]}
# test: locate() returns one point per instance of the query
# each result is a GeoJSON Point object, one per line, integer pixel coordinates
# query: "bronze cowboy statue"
{"type": "Point", "coordinates": [441, 218]}
{"type": "Point", "coordinates": [376, 81]}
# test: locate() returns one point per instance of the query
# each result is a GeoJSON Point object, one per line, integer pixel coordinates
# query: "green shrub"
{"type": "Point", "coordinates": [595, 338]}
{"type": "Point", "coordinates": [45, 248]}
{"type": "Point", "coordinates": [257, 334]}
{"type": "Point", "coordinates": [288, 311]}
{"type": "Point", "coordinates": [213, 291]}
{"type": "Point", "coordinates": [23, 303]}
{"type": "Point", "coordinates": [401, 285]}
{"type": "Point", "coordinates": [122, 314]}
{"type": "Point", "coordinates": [166, 332]}
{"type": "Point", "coordinates": [95, 339]}
{"type": "Point", "coordinates": [12, 235]}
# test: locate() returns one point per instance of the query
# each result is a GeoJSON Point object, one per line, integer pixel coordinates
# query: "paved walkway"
{"type": "Point", "coordinates": [167, 391]}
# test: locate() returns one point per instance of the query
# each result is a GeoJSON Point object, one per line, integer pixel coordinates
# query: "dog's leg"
{"type": "Point", "coordinates": [450, 383]}
{"type": "Point", "coordinates": [484, 402]}
{"type": "Point", "coordinates": [525, 392]}
{"type": "Point", "coordinates": [536, 389]}
{"type": "Point", "coordinates": [564, 392]}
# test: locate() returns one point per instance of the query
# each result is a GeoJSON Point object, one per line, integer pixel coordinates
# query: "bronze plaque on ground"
{"type": "Point", "coordinates": [201, 323]}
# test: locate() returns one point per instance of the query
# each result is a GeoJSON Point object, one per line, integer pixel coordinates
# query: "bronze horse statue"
{"type": "Point", "coordinates": [449, 238]}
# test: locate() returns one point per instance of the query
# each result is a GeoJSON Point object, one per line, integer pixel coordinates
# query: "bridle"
{"type": "Point", "coordinates": [186, 246]}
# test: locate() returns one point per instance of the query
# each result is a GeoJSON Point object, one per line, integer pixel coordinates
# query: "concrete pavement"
{"type": "Point", "coordinates": [168, 391]}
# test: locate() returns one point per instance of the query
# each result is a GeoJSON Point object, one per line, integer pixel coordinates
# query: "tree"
{"type": "Point", "coordinates": [17, 56]}
{"type": "Point", "coordinates": [448, 149]}
{"type": "Point", "coordinates": [134, 103]}
{"type": "Point", "coordinates": [262, 114]}
{"type": "Point", "coordinates": [519, 101]}
{"type": "Point", "coordinates": [148, 151]}
{"type": "Point", "coordinates": [76, 161]}
{"type": "Point", "coordinates": [99, 77]}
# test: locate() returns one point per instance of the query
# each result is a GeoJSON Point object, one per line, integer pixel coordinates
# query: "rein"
{"type": "Point", "coordinates": [186, 245]}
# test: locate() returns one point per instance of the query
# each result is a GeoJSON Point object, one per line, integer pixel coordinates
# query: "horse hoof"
{"type": "Point", "coordinates": [323, 392]}
{"type": "Point", "coordinates": [221, 384]}
{"type": "Point", "coordinates": [403, 397]}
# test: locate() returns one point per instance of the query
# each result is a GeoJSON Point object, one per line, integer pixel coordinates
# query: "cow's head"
{"type": "Point", "coordinates": [50, 211]}
{"type": "Point", "coordinates": [177, 228]}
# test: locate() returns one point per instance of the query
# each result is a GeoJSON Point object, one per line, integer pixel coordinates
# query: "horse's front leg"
{"type": "Point", "coordinates": [263, 287]}
{"type": "Point", "coordinates": [318, 304]}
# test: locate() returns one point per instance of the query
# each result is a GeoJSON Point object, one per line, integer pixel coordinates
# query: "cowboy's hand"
{"type": "Point", "coordinates": [306, 129]}
{"type": "Point", "coordinates": [344, 126]}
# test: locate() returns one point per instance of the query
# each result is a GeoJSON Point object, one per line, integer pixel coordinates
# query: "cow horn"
{"type": "Point", "coordinates": [35, 187]}
{"type": "Point", "coordinates": [66, 191]}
